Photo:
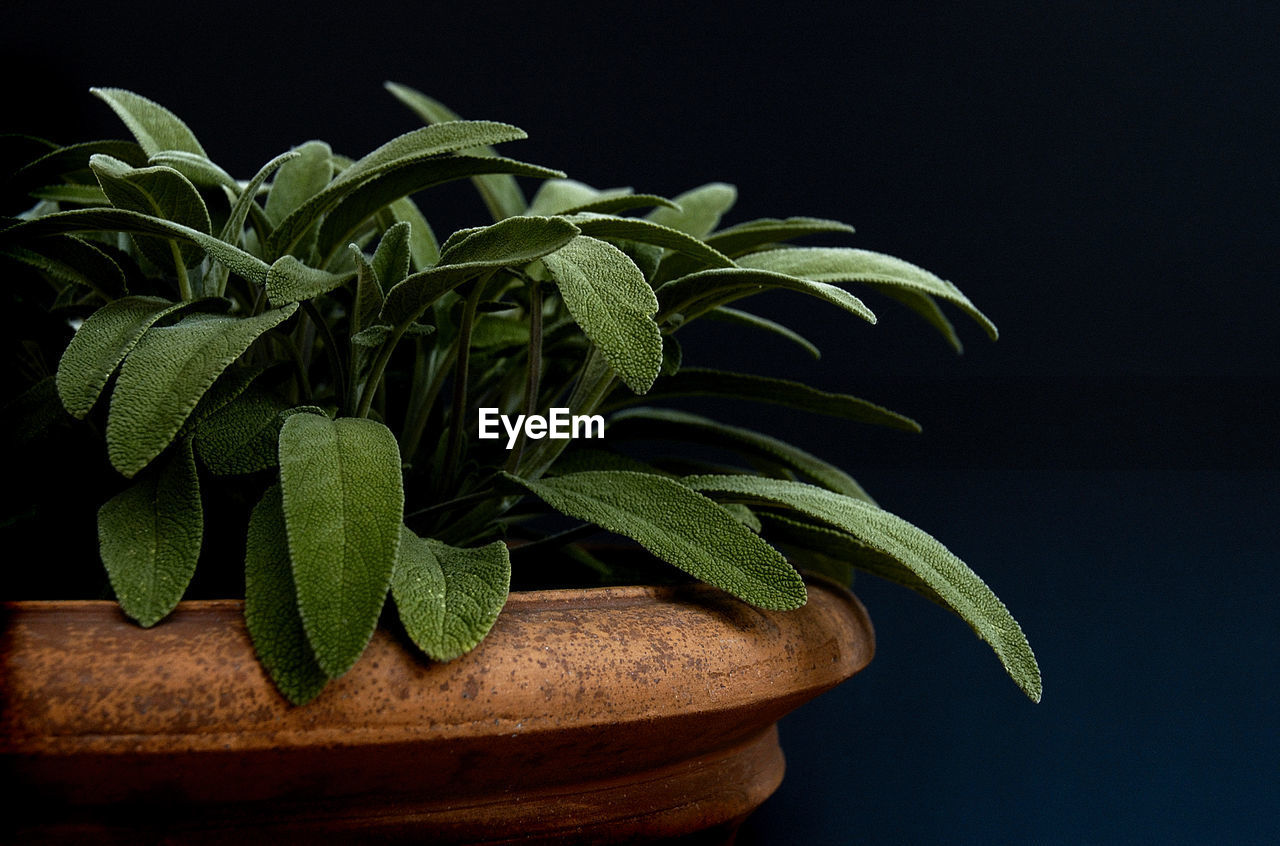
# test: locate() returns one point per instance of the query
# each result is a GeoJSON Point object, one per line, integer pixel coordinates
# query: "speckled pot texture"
{"type": "Point", "coordinates": [587, 716]}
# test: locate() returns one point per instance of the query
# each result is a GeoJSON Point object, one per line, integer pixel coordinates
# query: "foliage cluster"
{"type": "Point", "coordinates": [303, 339]}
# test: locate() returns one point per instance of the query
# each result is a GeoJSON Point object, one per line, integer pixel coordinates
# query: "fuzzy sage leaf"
{"type": "Point", "coordinates": [610, 299]}
{"type": "Point", "coordinates": [691, 532]}
{"type": "Point", "coordinates": [343, 507]}
{"type": "Point", "coordinates": [449, 598]}
{"type": "Point", "coordinates": [938, 567]}
{"type": "Point", "coordinates": [155, 127]}
{"type": "Point", "coordinates": [271, 605]}
{"type": "Point", "coordinates": [149, 536]}
{"type": "Point", "coordinates": [101, 343]}
{"type": "Point", "coordinates": [167, 373]}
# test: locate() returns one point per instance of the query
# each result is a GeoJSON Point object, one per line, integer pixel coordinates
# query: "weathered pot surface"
{"type": "Point", "coordinates": [586, 716]}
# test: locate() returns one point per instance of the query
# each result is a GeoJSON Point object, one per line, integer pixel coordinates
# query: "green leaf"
{"type": "Point", "coordinates": [837, 553]}
{"type": "Point", "coordinates": [745, 237]}
{"type": "Point", "coordinates": [160, 192]}
{"type": "Point", "coordinates": [391, 259]}
{"type": "Point", "coordinates": [56, 165]}
{"type": "Point", "coordinates": [299, 179]}
{"type": "Point", "coordinates": [691, 532]}
{"type": "Point", "coordinates": [501, 193]}
{"type": "Point", "coordinates": [648, 232]}
{"type": "Point", "coordinates": [613, 304]}
{"type": "Point", "coordinates": [399, 153]}
{"type": "Point", "coordinates": [241, 437]}
{"type": "Point", "coordinates": [514, 241]}
{"type": "Point", "coordinates": [844, 264]}
{"type": "Point", "coordinates": [373, 196]}
{"type": "Point", "coordinates": [942, 571]}
{"type": "Point", "coordinates": [244, 199]}
{"type": "Point", "coordinates": [291, 281]}
{"type": "Point", "coordinates": [196, 168]}
{"type": "Point", "coordinates": [423, 247]}
{"type": "Point", "coordinates": [271, 605]}
{"type": "Point", "coordinates": [669, 424]}
{"type": "Point", "coordinates": [449, 598]}
{"type": "Point", "coordinates": [725, 314]}
{"type": "Point", "coordinates": [568, 196]}
{"type": "Point", "coordinates": [343, 508]}
{"type": "Point", "coordinates": [119, 220]}
{"type": "Point", "coordinates": [74, 260]}
{"type": "Point", "coordinates": [702, 382]}
{"type": "Point", "coordinates": [81, 195]}
{"type": "Point", "coordinates": [101, 343]}
{"type": "Point", "coordinates": [155, 127]}
{"type": "Point", "coordinates": [707, 289]}
{"type": "Point", "coordinates": [149, 538]}
{"type": "Point", "coordinates": [699, 210]}
{"type": "Point", "coordinates": [369, 297]}
{"type": "Point", "coordinates": [167, 373]}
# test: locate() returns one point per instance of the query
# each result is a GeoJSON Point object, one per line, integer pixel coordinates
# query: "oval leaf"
{"type": "Point", "coordinates": [271, 605]}
{"type": "Point", "coordinates": [100, 344]}
{"type": "Point", "coordinates": [155, 127]}
{"type": "Point", "coordinates": [149, 537]}
{"type": "Point", "coordinates": [937, 567]}
{"type": "Point", "coordinates": [159, 192]}
{"type": "Point", "coordinates": [449, 598]}
{"type": "Point", "coordinates": [165, 376]}
{"type": "Point", "coordinates": [698, 211]}
{"type": "Point", "coordinates": [241, 437]}
{"type": "Point", "coordinates": [691, 532]}
{"type": "Point", "coordinates": [613, 304]}
{"type": "Point", "coordinates": [343, 507]}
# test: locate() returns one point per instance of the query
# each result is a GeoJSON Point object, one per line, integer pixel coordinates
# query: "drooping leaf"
{"type": "Point", "coordinates": [647, 232]}
{"type": "Point", "coordinates": [291, 281]}
{"type": "Point", "coordinates": [155, 127]}
{"type": "Point", "coordinates": [271, 605]}
{"type": "Point", "coordinates": [699, 211]}
{"type": "Point", "coordinates": [353, 210]}
{"type": "Point", "coordinates": [299, 179]}
{"type": "Point", "coordinates": [343, 508]}
{"type": "Point", "coordinates": [671, 425]}
{"type": "Point", "coordinates": [244, 199]}
{"type": "Point", "coordinates": [962, 590]}
{"type": "Point", "coordinates": [397, 154]}
{"type": "Point", "coordinates": [695, 381]}
{"type": "Point", "coordinates": [58, 164]}
{"type": "Point", "coordinates": [707, 289]}
{"type": "Point", "coordinates": [513, 241]}
{"type": "Point", "coordinates": [242, 436]}
{"type": "Point", "coordinates": [101, 343]}
{"type": "Point", "coordinates": [693, 533]}
{"type": "Point", "coordinates": [74, 260]}
{"type": "Point", "coordinates": [501, 193]}
{"type": "Point", "coordinates": [845, 264]}
{"type": "Point", "coordinates": [837, 553]}
{"type": "Point", "coordinates": [196, 168]}
{"type": "Point", "coordinates": [725, 314]}
{"type": "Point", "coordinates": [74, 194]}
{"type": "Point", "coordinates": [120, 220]}
{"type": "Point", "coordinates": [167, 373]}
{"type": "Point", "coordinates": [159, 192]}
{"type": "Point", "coordinates": [449, 598]}
{"type": "Point", "coordinates": [613, 304]}
{"type": "Point", "coordinates": [746, 237]}
{"type": "Point", "coordinates": [149, 537]}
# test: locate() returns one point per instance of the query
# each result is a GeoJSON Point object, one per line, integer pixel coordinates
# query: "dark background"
{"type": "Point", "coordinates": [1100, 178]}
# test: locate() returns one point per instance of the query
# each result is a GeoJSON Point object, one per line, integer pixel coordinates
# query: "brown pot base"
{"type": "Point", "coordinates": [614, 715]}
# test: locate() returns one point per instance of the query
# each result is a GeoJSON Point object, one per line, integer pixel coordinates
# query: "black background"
{"type": "Point", "coordinates": [1100, 178]}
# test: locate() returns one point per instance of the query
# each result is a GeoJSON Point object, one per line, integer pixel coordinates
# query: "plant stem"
{"type": "Point", "coordinates": [331, 350]}
{"type": "Point", "coordinates": [456, 423]}
{"type": "Point", "coordinates": [421, 411]}
{"type": "Point", "coordinates": [532, 382]}
{"type": "Point", "coordinates": [379, 366]}
{"type": "Point", "coordinates": [184, 282]}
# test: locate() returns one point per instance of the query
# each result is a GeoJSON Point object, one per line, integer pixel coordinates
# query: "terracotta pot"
{"type": "Point", "coordinates": [586, 716]}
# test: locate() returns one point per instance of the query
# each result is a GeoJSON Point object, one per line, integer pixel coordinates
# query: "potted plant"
{"type": "Point", "coordinates": [294, 382]}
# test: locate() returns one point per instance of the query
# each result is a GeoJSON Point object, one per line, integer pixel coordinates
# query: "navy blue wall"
{"type": "Point", "coordinates": [1099, 177]}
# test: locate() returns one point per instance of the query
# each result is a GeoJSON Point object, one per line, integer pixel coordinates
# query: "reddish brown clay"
{"type": "Point", "coordinates": [586, 716]}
